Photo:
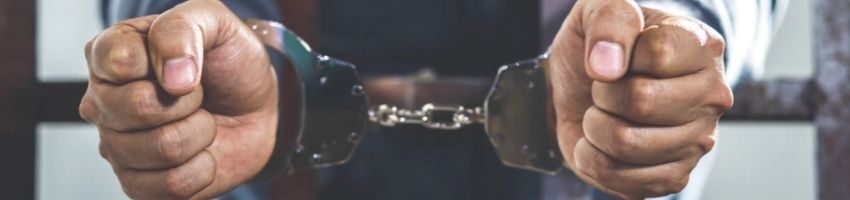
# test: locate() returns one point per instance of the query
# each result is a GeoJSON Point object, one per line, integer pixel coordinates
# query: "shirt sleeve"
{"type": "Point", "coordinates": [117, 10]}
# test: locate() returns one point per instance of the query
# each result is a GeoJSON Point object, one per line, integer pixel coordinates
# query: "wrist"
{"type": "Point", "coordinates": [283, 124]}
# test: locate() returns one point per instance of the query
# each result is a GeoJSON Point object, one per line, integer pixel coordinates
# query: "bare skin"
{"type": "Point", "coordinates": [186, 101]}
{"type": "Point", "coordinates": [637, 96]}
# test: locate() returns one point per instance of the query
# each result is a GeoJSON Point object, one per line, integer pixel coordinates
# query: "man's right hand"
{"type": "Point", "coordinates": [185, 102]}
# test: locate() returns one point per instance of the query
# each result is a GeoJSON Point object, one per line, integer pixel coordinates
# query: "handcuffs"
{"type": "Point", "coordinates": [332, 110]}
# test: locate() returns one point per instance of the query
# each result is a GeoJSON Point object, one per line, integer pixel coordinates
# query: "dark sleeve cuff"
{"type": "Point", "coordinates": [245, 9]}
{"type": "Point", "coordinates": [276, 164]}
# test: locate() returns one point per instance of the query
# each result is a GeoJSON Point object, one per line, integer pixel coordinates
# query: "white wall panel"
{"type": "Point", "coordinates": [62, 29]}
{"type": "Point", "coordinates": [68, 165]}
{"type": "Point", "coordinates": [771, 160]}
{"type": "Point", "coordinates": [764, 161]}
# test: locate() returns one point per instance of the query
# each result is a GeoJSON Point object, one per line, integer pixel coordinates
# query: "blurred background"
{"type": "Point", "coordinates": [755, 160]}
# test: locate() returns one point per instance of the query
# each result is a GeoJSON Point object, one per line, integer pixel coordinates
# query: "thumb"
{"type": "Point", "coordinates": [611, 28]}
{"type": "Point", "coordinates": [203, 37]}
{"type": "Point", "coordinates": [176, 43]}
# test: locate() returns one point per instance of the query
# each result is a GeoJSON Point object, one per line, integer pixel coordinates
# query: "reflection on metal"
{"type": "Point", "coordinates": [516, 118]}
{"type": "Point", "coordinates": [334, 113]}
{"type": "Point", "coordinates": [332, 109]}
{"type": "Point", "coordinates": [428, 116]}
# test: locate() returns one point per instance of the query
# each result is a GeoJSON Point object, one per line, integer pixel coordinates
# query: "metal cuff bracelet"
{"type": "Point", "coordinates": [514, 113]}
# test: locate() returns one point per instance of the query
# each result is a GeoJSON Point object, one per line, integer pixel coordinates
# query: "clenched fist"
{"type": "Point", "coordinates": [185, 102]}
{"type": "Point", "coordinates": [637, 95]}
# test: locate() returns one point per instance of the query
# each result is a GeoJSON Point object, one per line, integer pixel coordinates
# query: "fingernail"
{"type": "Point", "coordinates": [606, 58]}
{"type": "Point", "coordinates": [179, 72]}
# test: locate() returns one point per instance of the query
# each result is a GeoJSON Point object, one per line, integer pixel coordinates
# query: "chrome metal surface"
{"type": "Point", "coordinates": [390, 116]}
{"type": "Point", "coordinates": [329, 92]}
{"type": "Point", "coordinates": [332, 110]}
{"type": "Point", "coordinates": [516, 118]}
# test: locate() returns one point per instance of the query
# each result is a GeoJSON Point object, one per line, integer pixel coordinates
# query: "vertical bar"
{"type": "Point", "coordinates": [17, 83]}
{"type": "Point", "coordinates": [832, 57]}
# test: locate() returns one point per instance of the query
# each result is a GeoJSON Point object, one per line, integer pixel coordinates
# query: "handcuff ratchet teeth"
{"type": "Point", "coordinates": [333, 109]}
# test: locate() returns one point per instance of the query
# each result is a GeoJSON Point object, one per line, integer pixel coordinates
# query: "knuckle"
{"type": "Point", "coordinates": [605, 176]}
{"type": "Point", "coordinates": [727, 99]}
{"type": "Point", "coordinates": [642, 95]}
{"type": "Point", "coordinates": [716, 46]}
{"type": "Point", "coordinates": [217, 4]}
{"type": "Point", "coordinates": [118, 52]}
{"type": "Point", "coordinates": [127, 180]}
{"type": "Point", "coordinates": [667, 183]}
{"type": "Point", "coordinates": [623, 141]}
{"type": "Point", "coordinates": [102, 149]}
{"type": "Point", "coordinates": [88, 48]}
{"type": "Point", "coordinates": [679, 185]}
{"type": "Point", "coordinates": [86, 109]}
{"type": "Point", "coordinates": [124, 60]}
{"type": "Point", "coordinates": [164, 28]}
{"type": "Point", "coordinates": [706, 144]}
{"type": "Point", "coordinates": [102, 43]}
{"type": "Point", "coordinates": [721, 99]}
{"type": "Point", "coordinates": [672, 185]}
{"type": "Point", "coordinates": [699, 34]}
{"type": "Point", "coordinates": [169, 145]}
{"type": "Point", "coordinates": [602, 170]}
{"type": "Point", "coordinates": [716, 43]}
{"type": "Point", "coordinates": [584, 169]}
{"type": "Point", "coordinates": [595, 166]}
{"type": "Point", "coordinates": [131, 192]}
{"type": "Point", "coordinates": [176, 185]}
{"type": "Point", "coordinates": [661, 48]}
{"type": "Point", "coordinates": [143, 104]}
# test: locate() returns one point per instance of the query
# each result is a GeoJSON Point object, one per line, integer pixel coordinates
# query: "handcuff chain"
{"type": "Point", "coordinates": [390, 116]}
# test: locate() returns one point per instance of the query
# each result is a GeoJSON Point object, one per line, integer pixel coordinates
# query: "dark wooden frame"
{"type": "Point", "coordinates": [17, 89]}
{"type": "Point", "coordinates": [823, 98]}
{"type": "Point", "coordinates": [24, 101]}
{"type": "Point", "coordinates": [832, 104]}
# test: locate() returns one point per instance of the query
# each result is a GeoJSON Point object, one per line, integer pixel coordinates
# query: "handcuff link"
{"type": "Point", "coordinates": [427, 116]}
{"type": "Point", "coordinates": [516, 113]}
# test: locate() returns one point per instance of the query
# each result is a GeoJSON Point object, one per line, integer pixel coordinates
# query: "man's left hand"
{"type": "Point", "coordinates": [637, 95]}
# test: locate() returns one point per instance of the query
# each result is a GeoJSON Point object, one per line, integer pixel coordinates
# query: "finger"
{"type": "Point", "coordinates": [203, 38]}
{"type": "Point", "coordinates": [87, 51]}
{"type": "Point", "coordinates": [181, 182]}
{"type": "Point", "coordinates": [138, 105]}
{"type": "Point", "coordinates": [87, 108]}
{"type": "Point", "coordinates": [646, 100]}
{"type": "Point", "coordinates": [610, 28]}
{"type": "Point", "coordinates": [631, 180]}
{"type": "Point", "coordinates": [177, 42]}
{"type": "Point", "coordinates": [674, 46]}
{"type": "Point", "coordinates": [162, 147]}
{"type": "Point", "coordinates": [118, 55]}
{"type": "Point", "coordinates": [638, 144]}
